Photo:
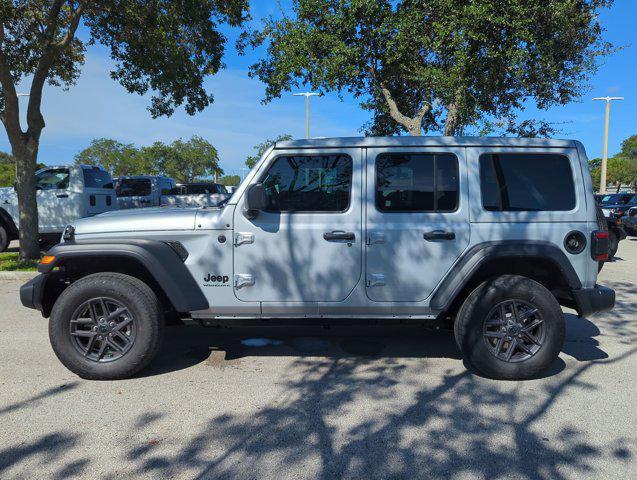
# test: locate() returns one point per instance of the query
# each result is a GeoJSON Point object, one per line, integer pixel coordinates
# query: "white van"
{"type": "Point", "coordinates": [64, 194]}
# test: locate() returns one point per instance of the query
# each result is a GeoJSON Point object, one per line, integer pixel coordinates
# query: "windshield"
{"type": "Point", "coordinates": [53, 179]}
{"type": "Point", "coordinates": [618, 198]}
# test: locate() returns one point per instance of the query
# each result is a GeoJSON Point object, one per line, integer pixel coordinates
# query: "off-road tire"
{"type": "Point", "coordinates": [469, 324]}
{"type": "Point", "coordinates": [135, 295]}
{"type": "Point", "coordinates": [4, 238]}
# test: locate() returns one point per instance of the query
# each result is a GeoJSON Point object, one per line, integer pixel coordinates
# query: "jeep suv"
{"type": "Point", "coordinates": [492, 234]}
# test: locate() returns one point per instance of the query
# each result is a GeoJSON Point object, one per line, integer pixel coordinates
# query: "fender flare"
{"type": "Point", "coordinates": [8, 221]}
{"type": "Point", "coordinates": [471, 261]}
{"type": "Point", "coordinates": [159, 258]}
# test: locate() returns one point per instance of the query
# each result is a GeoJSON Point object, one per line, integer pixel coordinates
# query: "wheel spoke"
{"type": "Point", "coordinates": [89, 347]}
{"type": "Point", "coordinates": [122, 336]}
{"type": "Point", "coordinates": [92, 311]}
{"type": "Point", "coordinates": [499, 345]}
{"type": "Point", "coordinates": [527, 314]}
{"type": "Point", "coordinates": [83, 333]}
{"type": "Point", "coordinates": [524, 348]}
{"type": "Point", "coordinates": [83, 321]}
{"type": "Point", "coordinates": [100, 352]}
{"type": "Point", "coordinates": [511, 349]}
{"type": "Point", "coordinates": [122, 324]}
{"type": "Point", "coordinates": [497, 334]}
{"type": "Point", "coordinates": [493, 323]}
{"type": "Point", "coordinates": [114, 345]}
{"type": "Point", "coordinates": [531, 326]}
{"type": "Point", "coordinates": [531, 337]}
{"type": "Point", "coordinates": [115, 314]}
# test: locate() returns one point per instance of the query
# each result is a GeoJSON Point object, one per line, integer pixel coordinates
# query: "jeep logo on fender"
{"type": "Point", "coordinates": [210, 278]}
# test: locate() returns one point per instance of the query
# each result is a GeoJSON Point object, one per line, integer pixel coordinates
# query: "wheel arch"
{"type": "Point", "coordinates": [540, 261]}
{"type": "Point", "coordinates": [154, 262]}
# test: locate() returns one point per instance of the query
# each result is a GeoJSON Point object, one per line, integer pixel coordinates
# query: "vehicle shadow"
{"type": "Point", "coordinates": [185, 347]}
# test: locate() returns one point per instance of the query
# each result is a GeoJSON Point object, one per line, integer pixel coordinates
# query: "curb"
{"type": "Point", "coordinates": [18, 275]}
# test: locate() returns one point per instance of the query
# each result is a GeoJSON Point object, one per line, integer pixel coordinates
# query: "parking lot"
{"type": "Point", "coordinates": [316, 402]}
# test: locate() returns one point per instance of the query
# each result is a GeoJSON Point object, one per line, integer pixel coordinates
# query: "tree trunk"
{"type": "Point", "coordinates": [412, 124]}
{"type": "Point", "coordinates": [25, 158]}
{"type": "Point", "coordinates": [452, 124]}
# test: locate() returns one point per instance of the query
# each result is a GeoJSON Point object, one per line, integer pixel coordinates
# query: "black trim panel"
{"type": "Point", "coordinates": [159, 259]}
{"type": "Point", "coordinates": [477, 255]}
{"type": "Point", "coordinates": [593, 300]}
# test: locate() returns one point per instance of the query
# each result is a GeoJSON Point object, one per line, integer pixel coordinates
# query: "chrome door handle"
{"type": "Point", "coordinates": [439, 235]}
{"type": "Point", "coordinates": [339, 235]}
{"type": "Point", "coordinates": [62, 195]}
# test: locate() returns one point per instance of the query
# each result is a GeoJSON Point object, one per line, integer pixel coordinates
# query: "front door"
{"type": "Point", "coordinates": [58, 204]}
{"type": "Point", "coordinates": [417, 220]}
{"type": "Point", "coordinates": [307, 244]}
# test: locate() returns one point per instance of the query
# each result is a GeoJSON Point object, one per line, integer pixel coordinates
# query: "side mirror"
{"type": "Point", "coordinates": [255, 200]}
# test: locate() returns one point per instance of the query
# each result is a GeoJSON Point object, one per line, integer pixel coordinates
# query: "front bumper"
{"type": "Point", "coordinates": [31, 292]}
{"type": "Point", "coordinates": [593, 300]}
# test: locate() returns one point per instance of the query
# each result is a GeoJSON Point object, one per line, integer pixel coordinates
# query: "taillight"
{"type": "Point", "coordinates": [599, 245]}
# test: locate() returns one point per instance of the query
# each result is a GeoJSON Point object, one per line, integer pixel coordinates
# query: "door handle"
{"type": "Point", "coordinates": [339, 235]}
{"type": "Point", "coordinates": [62, 195]}
{"type": "Point", "coordinates": [439, 235]}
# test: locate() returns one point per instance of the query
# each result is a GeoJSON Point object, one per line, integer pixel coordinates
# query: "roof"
{"type": "Point", "coordinates": [406, 141]}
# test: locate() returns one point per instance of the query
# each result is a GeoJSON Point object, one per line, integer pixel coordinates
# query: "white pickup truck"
{"type": "Point", "coordinates": [64, 194]}
{"type": "Point", "coordinates": [199, 194]}
{"type": "Point", "coordinates": [140, 191]}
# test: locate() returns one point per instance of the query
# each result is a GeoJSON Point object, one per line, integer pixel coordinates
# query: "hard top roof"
{"type": "Point", "coordinates": [408, 141]}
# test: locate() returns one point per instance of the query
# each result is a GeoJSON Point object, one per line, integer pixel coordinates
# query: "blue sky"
{"type": "Point", "coordinates": [99, 107]}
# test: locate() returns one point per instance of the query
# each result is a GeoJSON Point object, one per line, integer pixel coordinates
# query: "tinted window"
{"type": "Point", "coordinates": [96, 178]}
{"type": "Point", "coordinates": [526, 182]}
{"type": "Point", "coordinates": [132, 187]}
{"type": "Point", "coordinates": [309, 184]}
{"type": "Point", "coordinates": [53, 179]}
{"type": "Point", "coordinates": [416, 182]}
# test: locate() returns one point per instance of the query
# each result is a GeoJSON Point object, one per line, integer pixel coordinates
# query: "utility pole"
{"type": "Point", "coordinates": [23, 94]}
{"type": "Point", "coordinates": [307, 96]}
{"type": "Point", "coordinates": [602, 179]}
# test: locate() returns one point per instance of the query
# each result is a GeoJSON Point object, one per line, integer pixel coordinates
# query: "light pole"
{"type": "Point", "coordinates": [602, 177]}
{"type": "Point", "coordinates": [23, 94]}
{"type": "Point", "coordinates": [307, 96]}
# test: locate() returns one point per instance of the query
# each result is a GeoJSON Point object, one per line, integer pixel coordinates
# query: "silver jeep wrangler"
{"type": "Point", "coordinates": [492, 234]}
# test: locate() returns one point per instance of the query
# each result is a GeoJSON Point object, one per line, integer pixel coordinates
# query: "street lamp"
{"type": "Point", "coordinates": [307, 96]}
{"type": "Point", "coordinates": [602, 179]}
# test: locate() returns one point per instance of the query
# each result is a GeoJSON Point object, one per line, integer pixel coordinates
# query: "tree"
{"type": "Point", "coordinates": [435, 65]}
{"type": "Point", "coordinates": [185, 161]}
{"type": "Point", "coordinates": [620, 168]}
{"type": "Point", "coordinates": [230, 180]}
{"type": "Point", "coordinates": [182, 160]}
{"type": "Point", "coordinates": [260, 149]}
{"type": "Point", "coordinates": [7, 170]}
{"type": "Point", "coordinates": [164, 47]}
{"type": "Point", "coordinates": [116, 157]}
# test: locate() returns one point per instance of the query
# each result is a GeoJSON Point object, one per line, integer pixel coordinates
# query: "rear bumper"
{"type": "Point", "coordinates": [31, 292]}
{"type": "Point", "coordinates": [593, 300]}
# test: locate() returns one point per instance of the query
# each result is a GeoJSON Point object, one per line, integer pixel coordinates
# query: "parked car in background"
{"type": "Point", "coordinates": [140, 191]}
{"type": "Point", "coordinates": [199, 194]}
{"type": "Point", "coordinates": [629, 221]}
{"type": "Point", "coordinates": [64, 194]}
{"type": "Point", "coordinates": [613, 206]}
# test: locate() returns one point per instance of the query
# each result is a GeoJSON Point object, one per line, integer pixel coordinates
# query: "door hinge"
{"type": "Point", "coordinates": [375, 237]}
{"type": "Point", "coordinates": [376, 280]}
{"type": "Point", "coordinates": [241, 238]}
{"type": "Point", "coordinates": [243, 280]}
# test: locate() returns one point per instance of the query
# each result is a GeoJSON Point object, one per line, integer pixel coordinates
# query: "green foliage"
{"type": "Point", "coordinates": [621, 168]}
{"type": "Point", "coordinates": [260, 149]}
{"type": "Point", "coordinates": [230, 180]}
{"type": "Point", "coordinates": [185, 161]}
{"type": "Point", "coordinates": [434, 65]}
{"type": "Point", "coordinates": [7, 169]}
{"type": "Point", "coordinates": [11, 262]}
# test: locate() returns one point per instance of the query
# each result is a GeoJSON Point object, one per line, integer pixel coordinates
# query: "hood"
{"type": "Point", "coordinates": [138, 220]}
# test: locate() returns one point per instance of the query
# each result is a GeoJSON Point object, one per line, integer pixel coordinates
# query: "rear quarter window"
{"type": "Point", "coordinates": [96, 178]}
{"type": "Point", "coordinates": [513, 182]}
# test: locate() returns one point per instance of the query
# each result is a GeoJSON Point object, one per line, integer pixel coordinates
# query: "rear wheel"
{"type": "Point", "coordinates": [613, 244]}
{"type": "Point", "coordinates": [510, 328]}
{"type": "Point", "coordinates": [106, 326]}
{"type": "Point", "coordinates": [4, 238]}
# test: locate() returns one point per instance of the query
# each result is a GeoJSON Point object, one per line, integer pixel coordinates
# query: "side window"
{"type": "Point", "coordinates": [96, 178]}
{"type": "Point", "coordinates": [133, 187]}
{"type": "Point", "coordinates": [53, 179]}
{"type": "Point", "coordinates": [416, 182]}
{"type": "Point", "coordinates": [514, 182]}
{"type": "Point", "coordinates": [320, 183]}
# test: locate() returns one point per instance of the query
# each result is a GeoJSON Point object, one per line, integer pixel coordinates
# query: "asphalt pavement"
{"type": "Point", "coordinates": [364, 402]}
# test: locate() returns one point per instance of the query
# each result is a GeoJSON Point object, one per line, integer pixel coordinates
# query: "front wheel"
{"type": "Point", "coordinates": [510, 328]}
{"type": "Point", "coordinates": [106, 326]}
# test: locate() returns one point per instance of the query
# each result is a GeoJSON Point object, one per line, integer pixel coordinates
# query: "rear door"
{"type": "Point", "coordinates": [134, 192]}
{"type": "Point", "coordinates": [306, 245]}
{"type": "Point", "coordinates": [417, 220]}
{"type": "Point", "coordinates": [59, 198]}
{"type": "Point", "coordinates": [99, 192]}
